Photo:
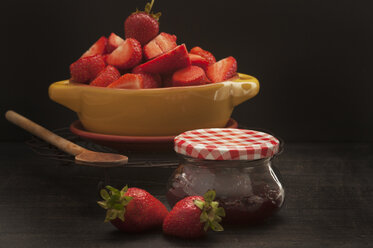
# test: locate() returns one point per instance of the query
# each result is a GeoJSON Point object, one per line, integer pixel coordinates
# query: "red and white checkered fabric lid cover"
{"type": "Point", "coordinates": [226, 144]}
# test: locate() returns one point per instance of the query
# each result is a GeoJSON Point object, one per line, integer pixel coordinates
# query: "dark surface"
{"type": "Point", "coordinates": [313, 58]}
{"type": "Point", "coordinates": [329, 195]}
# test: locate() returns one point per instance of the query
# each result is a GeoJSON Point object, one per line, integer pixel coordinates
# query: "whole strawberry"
{"type": "Point", "coordinates": [132, 209]}
{"type": "Point", "coordinates": [192, 216]}
{"type": "Point", "coordinates": [142, 25]}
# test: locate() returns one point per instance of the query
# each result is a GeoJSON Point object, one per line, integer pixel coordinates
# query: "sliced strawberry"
{"type": "Point", "coordinates": [87, 68]}
{"type": "Point", "coordinates": [199, 61]}
{"type": "Point", "coordinates": [161, 44]}
{"type": "Point", "coordinates": [191, 75]}
{"type": "Point", "coordinates": [222, 70]}
{"type": "Point", "coordinates": [127, 55]}
{"type": "Point", "coordinates": [114, 41]}
{"type": "Point", "coordinates": [169, 62]}
{"type": "Point", "coordinates": [128, 81]}
{"type": "Point", "coordinates": [98, 48]}
{"type": "Point", "coordinates": [203, 53]}
{"type": "Point", "coordinates": [106, 77]}
{"type": "Point", "coordinates": [151, 80]}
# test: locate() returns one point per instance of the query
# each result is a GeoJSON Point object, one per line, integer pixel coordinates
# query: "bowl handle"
{"type": "Point", "coordinates": [244, 88]}
{"type": "Point", "coordinates": [65, 94]}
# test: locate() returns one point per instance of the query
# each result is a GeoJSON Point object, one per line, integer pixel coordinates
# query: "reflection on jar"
{"type": "Point", "coordinates": [249, 191]}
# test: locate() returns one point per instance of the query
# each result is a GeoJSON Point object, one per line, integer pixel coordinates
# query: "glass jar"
{"type": "Point", "coordinates": [249, 191]}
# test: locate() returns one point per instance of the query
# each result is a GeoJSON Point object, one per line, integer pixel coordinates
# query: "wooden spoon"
{"type": "Point", "coordinates": [82, 155]}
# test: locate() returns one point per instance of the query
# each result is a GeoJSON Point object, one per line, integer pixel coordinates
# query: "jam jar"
{"type": "Point", "coordinates": [237, 164]}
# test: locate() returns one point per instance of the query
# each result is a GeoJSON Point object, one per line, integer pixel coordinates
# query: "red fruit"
{"type": "Point", "coordinates": [161, 44]}
{"type": "Point", "coordinates": [192, 216]}
{"type": "Point", "coordinates": [199, 61]}
{"type": "Point", "coordinates": [142, 25]}
{"type": "Point", "coordinates": [222, 70]}
{"type": "Point", "coordinates": [169, 62]}
{"type": "Point", "coordinates": [113, 42]}
{"type": "Point", "coordinates": [104, 57]}
{"type": "Point", "coordinates": [203, 53]}
{"type": "Point", "coordinates": [106, 77]}
{"type": "Point", "coordinates": [98, 48]}
{"type": "Point", "coordinates": [128, 81]}
{"type": "Point", "coordinates": [191, 75]}
{"type": "Point", "coordinates": [132, 209]}
{"type": "Point", "coordinates": [151, 80]}
{"type": "Point", "coordinates": [87, 68]}
{"type": "Point", "coordinates": [127, 55]}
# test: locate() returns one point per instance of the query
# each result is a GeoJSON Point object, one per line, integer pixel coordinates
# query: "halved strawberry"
{"type": "Point", "coordinates": [222, 70]}
{"type": "Point", "coordinates": [98, 48]}
{"type": "Point", "coordinates": [161, 44]}
{"type": "Point", "coordinates": [203, 53]}
{"type": "Point", "coordinates": [127, 55]}
{"type": "Point", "coordinates": [151, 80]}
{"type": "Point", "coordinates": [192, 75]}
{"type": "Point", "coordinates": [128, 81]}
{"type": "Point", "coordinates": [199, 61]}
{"type": "Point", "coordinates": [114, 41]}
{"type": "Point", "coordinates": [87, 68]}
{"type": "Point", "coordinates": [169, 62]}
{"type": "Point", "coordinates": [106, 77]}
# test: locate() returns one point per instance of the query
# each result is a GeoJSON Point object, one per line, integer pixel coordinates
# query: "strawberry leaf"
{"type": "Point", "coordinates": [104, 194]}
{"type": "Point", "coordinates": [211, 212]}
{"type": "Point", "coordinates": [209, 196]}
{"type": "Point", "coordinates": [220, 212]}
{"type": "Point", "coordinates": [115, 202]}
{"type": "Point", "coordinates": [102, 204]}
{"type": "Point", "coordinates": [215, 226]}
{"type": "Point", "coordinates": [199, 204]}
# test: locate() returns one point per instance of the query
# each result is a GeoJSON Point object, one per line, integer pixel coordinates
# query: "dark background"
{"type": "Point", "coordinates": [313, 58]}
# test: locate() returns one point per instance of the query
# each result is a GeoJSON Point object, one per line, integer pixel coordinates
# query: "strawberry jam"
{"type": "Point", "coordinates": [237, 164]}
{"type": "Point", "coordinates": [249, 191]}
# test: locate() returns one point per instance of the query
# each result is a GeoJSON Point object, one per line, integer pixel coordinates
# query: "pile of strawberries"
{"type": "Point", "coordinates": [148, 59]}
{"type": "Point", "coordinates": [136, 210]}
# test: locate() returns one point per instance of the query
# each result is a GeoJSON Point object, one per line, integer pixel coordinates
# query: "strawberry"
{"type": "Point", "coordinates": [132, 209]}
{"type": "Point", "coordinates": [161, 44]}
{"type": "Point", "coordinates": [142, 25]}
{"type": "Point", "coordinates": [222, 70]}
{"type": "Point", "coordinates": [106, 77]}
{"type": "Point", "coordinates": [98, 48]}
{"type": "Point", "coordinates": [127, 55]}
{"type": "Point", "coordinates": [128, 81]}
{"type": "Point", "coordinates": [191, 75]}
{"type": "Point", "coordinates": [169, 62]}
{"type": "Point", "coordinates": [113, 42]}
{"type": "Point", "coordinates": [87, 68]}
{"type": "Point", "coordinates": [203, 53]}
{"type": "Point", "coordinates": [192, 216]}
{"type": "Point", "coordinates": [151, 80]}
{"type": "Point", "coordinates": [199, 61]}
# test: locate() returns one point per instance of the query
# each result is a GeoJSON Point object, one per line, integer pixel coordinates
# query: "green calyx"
{"type": "Point", "coordinates": [148, 8]}
{"type": "Point", "coordinates": [115, 202]}
{"type": "Point", "coordinates": [211, 212]}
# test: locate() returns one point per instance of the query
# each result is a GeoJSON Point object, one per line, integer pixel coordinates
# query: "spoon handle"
{"type": "Point", "coordinates": [43, 133]}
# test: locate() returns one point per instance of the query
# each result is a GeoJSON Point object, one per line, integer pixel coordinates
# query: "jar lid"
{"type": "Point", "coordinates": [226, 144]}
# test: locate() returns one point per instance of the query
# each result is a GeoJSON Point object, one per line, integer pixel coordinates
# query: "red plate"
{"type": "Point", "coordinates": [132, 143]}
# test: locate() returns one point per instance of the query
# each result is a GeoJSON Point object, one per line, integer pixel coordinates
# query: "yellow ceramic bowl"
{"type": "Point", "coordinates": [154, 112]}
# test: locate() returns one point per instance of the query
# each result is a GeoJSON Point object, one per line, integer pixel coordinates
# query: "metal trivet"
{"type": "Point", "coordinates": [136, 159]}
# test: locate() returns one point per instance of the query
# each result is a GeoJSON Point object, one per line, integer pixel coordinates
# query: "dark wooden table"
{"type": "Point", "coordinates": [329, 202]}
